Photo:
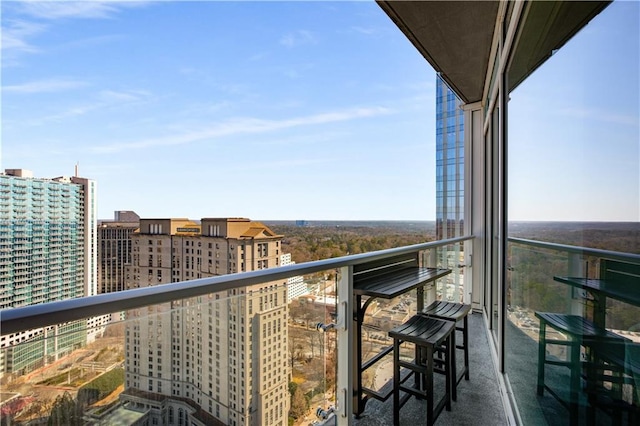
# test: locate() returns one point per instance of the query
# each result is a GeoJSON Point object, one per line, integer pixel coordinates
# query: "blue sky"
{"type": "Point", "coordinates": [268, 110]}
{"type": "Point", "coordinates": [574, 126]}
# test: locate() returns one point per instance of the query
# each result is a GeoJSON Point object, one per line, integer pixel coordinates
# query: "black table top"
{"type": "Point", "coordinates": [625, 291]}
{"type": "Point", "coordinates": [395, 283]}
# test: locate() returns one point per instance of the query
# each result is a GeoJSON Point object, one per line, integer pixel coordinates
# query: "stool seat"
{"type": "Point", "coordinates": [447, 310]}
{"type": "Point", "coordinates": [430, 336]}
{"type": "Point", "coordinates": [422, 330]}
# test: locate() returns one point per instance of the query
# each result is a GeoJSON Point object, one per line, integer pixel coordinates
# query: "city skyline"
{"type": "Point", "coordinates": [296, 106]}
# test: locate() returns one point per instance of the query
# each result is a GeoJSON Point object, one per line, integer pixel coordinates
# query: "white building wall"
{"type": "Point", "coordinates": [296, 286]}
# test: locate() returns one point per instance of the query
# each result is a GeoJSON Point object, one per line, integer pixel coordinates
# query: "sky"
{"type": "Point", "coordinates": [285, 110]}
{"type": "Point", "coordinates": [574, 126]}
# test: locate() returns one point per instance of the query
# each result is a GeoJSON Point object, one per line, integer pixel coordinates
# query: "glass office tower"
{"type": "Point", "coordinates": [449, 179]}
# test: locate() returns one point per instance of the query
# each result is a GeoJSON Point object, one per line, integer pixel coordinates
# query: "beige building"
{"type": "Point", "coordinates": [114, 250]}
{"type": "Point", "coordinates": [224, 353]}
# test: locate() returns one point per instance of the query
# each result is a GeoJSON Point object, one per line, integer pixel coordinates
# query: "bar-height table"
{"type": "Point", "coordinates": [601, 289]}
{"type": "Point", "coordinates": [623, 287]}
{"type": "Point", "coordinates": [386, 286]}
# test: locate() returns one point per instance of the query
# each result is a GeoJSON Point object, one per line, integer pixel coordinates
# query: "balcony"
{"type": "Point", "coordinates": [510, 282]}
{"type": "Point", "coordinates": [194, 304]}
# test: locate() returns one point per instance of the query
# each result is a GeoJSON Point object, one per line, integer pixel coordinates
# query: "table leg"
{"type": "Point", "coordinates": [358, 315]}
{"type": "Point", "coordinates": [420, 299]}
{"type": "Point", "coordinates": [574, 387]}
{"type": "Point", "coordinates": [418, 353]}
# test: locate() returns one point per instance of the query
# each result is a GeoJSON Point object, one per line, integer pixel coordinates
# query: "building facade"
{"type": "Point", "coordinates": [47, 253]}
{"type": "Point", "coordinates": [296, 286]}
{"type": "Point", "coordinates": [449, 182]}
{"type": "Point", "coordinates": [114, 250]}
{"type": "Point", "coordinates": [449, 163]}
{"type": "Point", "coordinates": [224, 353]}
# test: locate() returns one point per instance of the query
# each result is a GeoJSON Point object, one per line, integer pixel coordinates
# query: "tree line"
{"type": "Point", "coordinates": [323, 242]}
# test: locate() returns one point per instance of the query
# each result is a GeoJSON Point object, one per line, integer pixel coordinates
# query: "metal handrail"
{"type": "Point", "coordinates": [586, 251]}
{"type": "Point", "coordinates": [35, 316]}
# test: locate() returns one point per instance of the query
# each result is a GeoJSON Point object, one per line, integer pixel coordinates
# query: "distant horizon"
{"type": "Point", "coordinates": [372, 220]}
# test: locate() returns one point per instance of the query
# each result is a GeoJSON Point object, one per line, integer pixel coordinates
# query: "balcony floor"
{"type": "Point", "coordinates": [479, 401]}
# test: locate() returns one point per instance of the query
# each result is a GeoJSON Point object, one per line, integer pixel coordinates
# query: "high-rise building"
{"type": "Point", "coordinates": [114, 250]}
{"type": "Point", "coordinates": [449, 181]}
{"type": "Point", "coordinates": [216, 359]}
{"type": "Point", "coordinates": [449, 163]}
{"type": "Point", "coordinates": [47, 253]}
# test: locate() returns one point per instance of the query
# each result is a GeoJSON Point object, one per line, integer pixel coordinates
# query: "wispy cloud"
{"type": "Point", "coordinates": [246, 126]}
{"type": "Point", "coordinates": [298, 38]}
{"type": "Point", "coordinates": [73, 9]}
{"type": "Point", "coordinates": [102, 99]}
{"type": "Point", "coordinates": [15, 33]}
{"type": "Point", "coordinates": [112, 96]}
{"type": "Point", "coordinates": [24, 20]}
{"type": "Point", "coordinates": [66, 113]}
{"type": "Point", "coordinates": [90, 42]}
{"type": "Point", "coordinates": [363, 30]}
{"type": "Point", "coordinates": [44, 86]}
{"type": "Point", "coordinates": [258, 56]}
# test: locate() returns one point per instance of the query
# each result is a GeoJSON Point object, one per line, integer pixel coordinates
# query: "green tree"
{"type": "Point", "coordinates": [65, 412]}
{"type": "Point", "coordinates": [299, 404]}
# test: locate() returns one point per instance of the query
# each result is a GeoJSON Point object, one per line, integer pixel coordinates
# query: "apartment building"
{"type": "Point", "coordinates": [114, 250]}
{"type": "Point", "coordinates": [222, 356]}
{"type": "Point", "coordinates": [296, 286]}
{"type": "Point", "coordinates": [48, 252]}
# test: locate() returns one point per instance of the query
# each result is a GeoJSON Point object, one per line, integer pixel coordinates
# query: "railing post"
{"type": "Point", "coordinates": [577, 295]}
{"type": "Point", "coordinates": [467, 274]}
{"type": "Point", "coordinates": [345, 340]}
{"type": "Point", "coordinates": [430, 290]}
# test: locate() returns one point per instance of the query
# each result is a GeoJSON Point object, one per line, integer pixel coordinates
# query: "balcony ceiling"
{"type": "Point", "coordinates": [455, 36]}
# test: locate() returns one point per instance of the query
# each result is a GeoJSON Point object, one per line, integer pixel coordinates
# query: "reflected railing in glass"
{"type": "Point", "coordinates": [565, 286]}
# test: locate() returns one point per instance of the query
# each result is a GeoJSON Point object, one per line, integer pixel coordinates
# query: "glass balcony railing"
{"type": "Point", "coordinates": [544, 289]}
{"type": "Point", "coordinates": [270, 346]}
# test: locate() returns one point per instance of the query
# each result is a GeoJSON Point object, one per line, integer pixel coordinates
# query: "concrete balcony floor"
{"type": "Point", "coordinates": [479, 401]}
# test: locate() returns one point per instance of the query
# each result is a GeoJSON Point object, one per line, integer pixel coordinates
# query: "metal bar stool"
{"type": "Point", "coordinates": [428, 335]}
{"type": "Point", "coordinates": [455, 312]}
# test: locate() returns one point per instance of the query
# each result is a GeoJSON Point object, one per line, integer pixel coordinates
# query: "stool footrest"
{"type": "Point", "coordinates": [414, 367]}
{"type": "Point", "coordinates": [414, 391]}
{"type": "Point", "coordinates": [377, 357]}
{"type": "Point", "coordinates": [386, 390]}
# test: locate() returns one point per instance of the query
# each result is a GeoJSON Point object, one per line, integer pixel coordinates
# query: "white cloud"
{"type": "Point", "coordinates": [44, 86]}
{"type": "Point", "coordinates": [112, 96]}
{"type": "Point", "coordinates": [74, 111]}
{"type": "Point", "coordinates": [365, 31]}
{"type": "Point", "coordinates": [298, 38]}
{"type": "Point", "coordinates": [246, 126]}
{"type": "Point", "coordinates": [15, 33]}
{"type": "Point", "coordinates": [73, 9]}
{"type": "Point", "coordinates": [100, 100]}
